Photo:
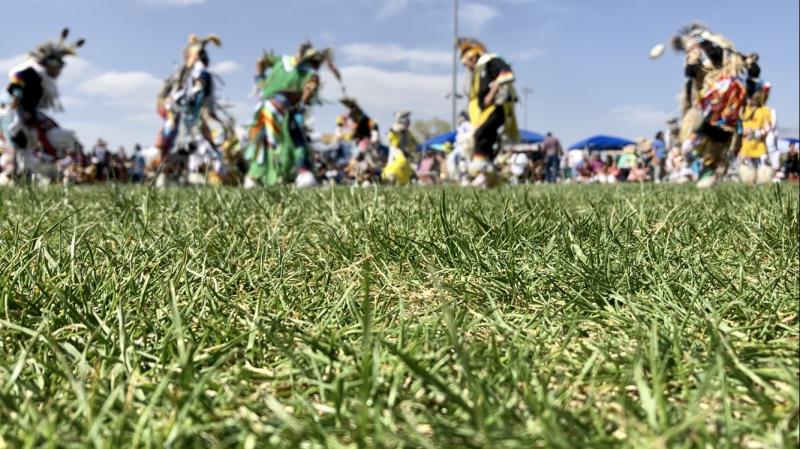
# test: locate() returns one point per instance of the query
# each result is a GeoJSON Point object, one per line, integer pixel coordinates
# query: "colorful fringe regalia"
{"type": "Point", "coordinates": [491, 107]}
{"type": "Point", "coordinates": [278, 148]}
{"type": "Point", "coordinates": [714, 98]}
{"type": "Point", "coordinates": [364, 131]}
{"type": "Point", "coordinates": [402, 145]}
{"type": "Point", "coordinates": [34, 138]}
{"type": "Point", "coordinates": [489, 70]}
{"type": "Point", "coordinates": [188, 104]}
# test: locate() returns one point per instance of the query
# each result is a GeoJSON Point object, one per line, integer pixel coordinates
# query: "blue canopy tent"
{"type": "Point", "coordinates": [530, 137]}
{"type": "Point", "coordinates": [601, 143]}
{"type": "Point", "coordinates": [785, 142]}
{"type": "Point", "coordinates": [439, 141]}
{"type": "Point", "coordinates": [527, 137]}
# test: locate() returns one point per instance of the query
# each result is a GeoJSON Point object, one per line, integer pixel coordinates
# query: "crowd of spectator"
{"type": "Point", "coordinates": [343, 163]}
{"type": "Point", "coordinates": [645, 161]}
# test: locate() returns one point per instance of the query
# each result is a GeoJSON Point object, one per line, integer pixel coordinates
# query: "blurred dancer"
{"type": "Point", "coordinates": [279, 149]}
{"type": "Point", "coordinates": [717, 83]}
{"type": "Point", "coordinates": [491, 107]}
{"type": "Point", "coordinates": [402, 146]}
{"type": "Point", "coordinates": [754, 165]}
{"type": "Point", "coordinates": [36, 141]}
{"type": "Point", "coordinates": [188, 106]}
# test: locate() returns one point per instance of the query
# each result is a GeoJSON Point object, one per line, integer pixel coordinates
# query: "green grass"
{"type": "Point", "coordinates": [563, 317]}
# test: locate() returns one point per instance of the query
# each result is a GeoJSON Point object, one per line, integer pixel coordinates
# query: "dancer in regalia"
{"type": "Point", "coordinates": [365, 136]}
{"type": "Point", "coordinates": [189, 108]}
{"type": "Point", "coordinates": [279, 150]}
{"type": "Point", "coordinates": [364, 131]}
{"type": "Point", "coordinates": [713, 98]}
{"type": "Point", "coordinates": [33, 139]}
{"type": "Point", "coordinates": [402, 147]}
{"type": "Point", "coordinates": [492, 98]}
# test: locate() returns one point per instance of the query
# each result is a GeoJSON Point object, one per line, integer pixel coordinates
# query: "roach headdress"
{"type": "Point", "coordinates": [55, 52]}
{"type": "Point", "coordinates": [307, 53]}
{"type": "Point", "coordinates": [469, 47]}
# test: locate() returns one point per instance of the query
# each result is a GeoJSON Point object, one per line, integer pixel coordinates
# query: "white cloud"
{"type": "Point", "coordinates": [476, 15]}
{"type": "Point", "coordinates": [121, 104]}
{"type": "Point", "coordinates": [473, 15]}
{"type": "Point", "coordinates": [389, 8]}
{"type": "Point", "coordinates": [364, 53]}
{"type": "Point", "coordinates": [382, 92]}
{"type": "Point", "coordinates": [7, 64]}
{"type": "Point", "coordinates": [640, 120]}
{"type": "Point", "coordinates": [70, 102]}
{"type": "Point", "coordinates": [122, 88]}
{"type": "Point", "coordinates": [76, 71]}
{"type": "Point", "coordinates": [226, 67]}
{"type": "Point", "coordinates": [528, 55]}
{"type": "Point", "coordinates": [640, 115]}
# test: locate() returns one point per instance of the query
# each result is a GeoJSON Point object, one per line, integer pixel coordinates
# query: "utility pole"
{"type": "Point", "coordinates": [525, 92]}
{"type": "Point", "coordinates": [454, 94]}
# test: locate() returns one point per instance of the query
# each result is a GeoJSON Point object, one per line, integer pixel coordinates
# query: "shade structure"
{"type": "Point", "coordinates": [439, 140]}
{"type": "Point", "coordinates": [794, 140]}
{"type": "Point", "coordinates": [602, 142]}
{"type": "Point", "coordinates": [530, 137]}
{"type": "Point", "coordinates": [436, 142]}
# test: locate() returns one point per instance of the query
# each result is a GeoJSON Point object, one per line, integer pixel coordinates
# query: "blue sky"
{"type": "Point", "coordinates": [586, 60]}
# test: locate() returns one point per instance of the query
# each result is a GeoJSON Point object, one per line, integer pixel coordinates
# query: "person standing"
{"type": "Point", "coordinates": [773, 153]}
{"type": "Point", "coordinates": [137, 165]}
{"type": "Point", "coordinates": [753, 165]}
{"type": "Point", "coordinates": [566, 169]}
{"type": "Point", "coordinates": [626, 162]}
{"type": "Point", "coordinates": [791, 166]}
{"type": "Point", "coordinates": [660, 156]}
{"type": "Point", "coordinates": [100, 160]}
{"type": "Point", "coordinates": [459, 158]}
{"type": "Point", "coordinates": [552, 157]}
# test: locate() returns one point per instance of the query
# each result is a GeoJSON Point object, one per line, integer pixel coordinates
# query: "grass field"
{"type": "Point", "coordinates": [564, 317]}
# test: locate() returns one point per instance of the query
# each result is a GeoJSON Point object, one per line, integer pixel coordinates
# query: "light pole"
{"type": "Point", "coordinates": [525, 92]}
{"type": "Point", "coordinates": [454, 94]}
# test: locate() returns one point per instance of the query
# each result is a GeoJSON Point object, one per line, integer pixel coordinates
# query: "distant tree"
{"type": "Point", "coordinates": [425, 129]}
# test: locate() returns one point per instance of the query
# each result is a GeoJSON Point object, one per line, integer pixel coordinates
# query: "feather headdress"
{"type": "Point", "coordinates": [470, 47]}
{"type": "Point", "coordinates": [698, 33]}
{"type": "Point", "coordinates": [307, 53]}
{"type": "Point", "coordinates": [55, 52]}
{"type": "Point", "coordinates": [686, 34]}
{"type": "Point", "coordinates": [402, 120]}
{"type": "Point", "coordinates": [351, 104]}
{"type": "Point", "coordinates": [198, 44]}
